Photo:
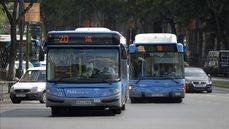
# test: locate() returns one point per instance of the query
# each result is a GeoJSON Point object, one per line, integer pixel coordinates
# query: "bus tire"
{"type": "Point", "coordinates": [116, 110]}
{"type": "Point", "coordinates": [55, 111]}
{"type": "Point", "coordinates": [132, 100]}
{"type": "Point", "coordinates": [123, 107]}
{"type": "Point", "coordinates": [178, 100]}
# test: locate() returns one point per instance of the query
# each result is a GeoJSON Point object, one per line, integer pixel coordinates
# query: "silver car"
{"type": "Point", "coordinates": [197, 80]}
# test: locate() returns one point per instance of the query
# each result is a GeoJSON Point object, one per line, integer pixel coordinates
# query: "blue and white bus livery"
{"type": "Point", "coordinates": [156, 68]}
{"type": "Point", "coordinates": [86, 68]}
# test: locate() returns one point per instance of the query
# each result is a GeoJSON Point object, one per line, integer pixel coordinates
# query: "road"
{"type": "Point", "coordinates": [198, 111]}
{"type": "Point", "coordinates": [220, 79]}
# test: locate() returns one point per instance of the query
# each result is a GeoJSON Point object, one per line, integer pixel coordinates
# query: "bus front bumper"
{"type": "Point", "coordinates": [146, 93]}
{"type": "Point", "coordinates": [111, 101]}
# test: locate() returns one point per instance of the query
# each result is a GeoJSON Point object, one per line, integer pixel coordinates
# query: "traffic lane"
{"type": "Point", "coordinates": [220, 90]}
{"type": "Point", "coordinates": [199, 110]}
{"type": "Point", "coordinates": [220, 79]}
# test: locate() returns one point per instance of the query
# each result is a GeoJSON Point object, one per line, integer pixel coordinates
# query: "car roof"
{"type": "Point", "coordinates": [196, 68]}
{"type": "Point", "coordinates": [38, 68]}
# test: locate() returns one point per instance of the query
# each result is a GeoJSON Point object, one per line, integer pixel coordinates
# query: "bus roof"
{"type": "Point", "coordinates": [150, 38]}
{"type": "Point", "coordinates": [91, 30]}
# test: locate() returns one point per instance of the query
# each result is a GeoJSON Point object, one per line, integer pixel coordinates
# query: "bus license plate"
{"type": "Point", "coordinates": [20, 95]}
{"type": "Point", "coordinates": [157, 95]}
{"type": "Point", "coordinates": [83, 102]}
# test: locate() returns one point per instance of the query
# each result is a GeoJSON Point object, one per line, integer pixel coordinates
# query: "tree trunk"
{"type": "Point", "coordinates": [219, 32]}
{"type": "Point", "coordinates": [13, 51]}
{"type": "Point", "coordinates": [172, 25]}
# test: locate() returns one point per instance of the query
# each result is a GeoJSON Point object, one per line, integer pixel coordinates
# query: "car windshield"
{"type": "Point", "coordinates": [34, 76]}
{"type": "Point", "coordinates": [83, 65]}
{"type": "Point", "coordinates": [194, 72]}
{"type": "Point", "coordinates": [157, 65]}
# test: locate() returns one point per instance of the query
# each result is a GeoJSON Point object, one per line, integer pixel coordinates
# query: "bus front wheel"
{"type": "Point", "coordinates": [116, 110]}
{"type": "Point", "coordinates": [178, 100]}
{"type": "Point", "coordinates": [55, 111]}
{"type": "Point", "coordinates": [123, 107]}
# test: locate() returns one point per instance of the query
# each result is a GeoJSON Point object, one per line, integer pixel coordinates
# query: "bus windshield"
{"type": "Point", "coordinates": [83, 65]}
{"type": "Point", "coordinates": [157, 65]}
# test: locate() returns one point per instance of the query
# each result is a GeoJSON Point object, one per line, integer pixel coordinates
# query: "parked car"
{"type": "Point", "coordinates": [35, 63]}
{"type": "Point", "coordinates": [31, 86]}
{"type": "Point", "coordinates": [197, 80]}
{"type": "Point", "coordinates": [16, 67]}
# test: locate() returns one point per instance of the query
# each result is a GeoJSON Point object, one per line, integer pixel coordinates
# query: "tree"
{"type": "Point", "coordinates": [216, 8]}
{"type": "Point", "coordinates": [13, 19]}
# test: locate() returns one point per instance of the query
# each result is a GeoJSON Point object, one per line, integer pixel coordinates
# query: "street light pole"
{"type": "Point", "coordinates": [21, 30]}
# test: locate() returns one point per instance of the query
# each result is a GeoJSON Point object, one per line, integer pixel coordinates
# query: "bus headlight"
{"type": "Point", "coordinates": [114, 91]}
{"type": "Point", "coordinates": [56, 92]}
{"type": "Point", "coordinates": [110, 92]}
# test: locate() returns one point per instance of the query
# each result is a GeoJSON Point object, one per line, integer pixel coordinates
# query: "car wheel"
{"type": "Point", "coordinates": [42, 98]}
{"type": "Point", "coordinates": [15, 100]}
{"type": "Point", "coordinates": [209, 91]}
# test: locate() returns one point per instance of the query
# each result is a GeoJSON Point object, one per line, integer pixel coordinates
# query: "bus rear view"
{"type": "Point", "coordinates": [86, 68]}
{"type": "Point", "coordinates": [156, 69]}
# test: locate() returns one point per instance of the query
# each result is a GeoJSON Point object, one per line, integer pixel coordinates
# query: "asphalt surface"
{"type": "Point", "coordinates": [220, 79]}
{"type": "Point", "coordinates": [197, 111]}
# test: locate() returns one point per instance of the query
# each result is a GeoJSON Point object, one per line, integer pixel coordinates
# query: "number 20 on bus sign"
{"type": "Point", "coordinates": [63, 39]}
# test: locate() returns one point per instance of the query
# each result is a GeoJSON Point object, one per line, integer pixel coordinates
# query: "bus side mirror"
{"type": "Point", "coordinates": [41, 55]}
{"type": "Point", "coordinates": [132, 48]}
{"type": "Point", "coordinates": [123, 53]}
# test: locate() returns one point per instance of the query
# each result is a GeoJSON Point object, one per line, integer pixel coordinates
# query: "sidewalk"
{"type": "Point", "coordinates": [4, 95]}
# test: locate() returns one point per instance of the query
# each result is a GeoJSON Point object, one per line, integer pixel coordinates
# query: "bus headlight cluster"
{"type": "Point", "coordinates": [56, 92]}
{"type": "Point", "coordinates": [114, 91]}
{"type": "Point", "coordinates": [110, 92]}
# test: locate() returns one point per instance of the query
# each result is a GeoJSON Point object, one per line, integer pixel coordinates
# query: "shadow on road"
{"type": "Point", "coordinates": [84, 113]}
{"type": "Point", "coordinates": [155, 100]}
{"type": "Point", "coordinates": [35, 112]}
{"type": "Point", "coordinates": [25, 112]}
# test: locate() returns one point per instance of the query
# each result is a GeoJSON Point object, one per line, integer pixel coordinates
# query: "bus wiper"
{"type": "Point", "coordinates": [107, 81]}
{"type": "Point", "coordinates": [110, 81]}
{"type": "Point", "coordinates": [139, 79]}
{"type": "Point", "coordinates": [173, 80]}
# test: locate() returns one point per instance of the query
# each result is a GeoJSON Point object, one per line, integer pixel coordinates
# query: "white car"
{"type": "Point", "coordinates": [31, 86]}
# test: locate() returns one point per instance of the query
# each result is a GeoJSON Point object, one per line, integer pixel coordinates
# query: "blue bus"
{"type": "Point", "coordinates": [156, 67]}
{"type": "Point", "coordinates": [86, 68]}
